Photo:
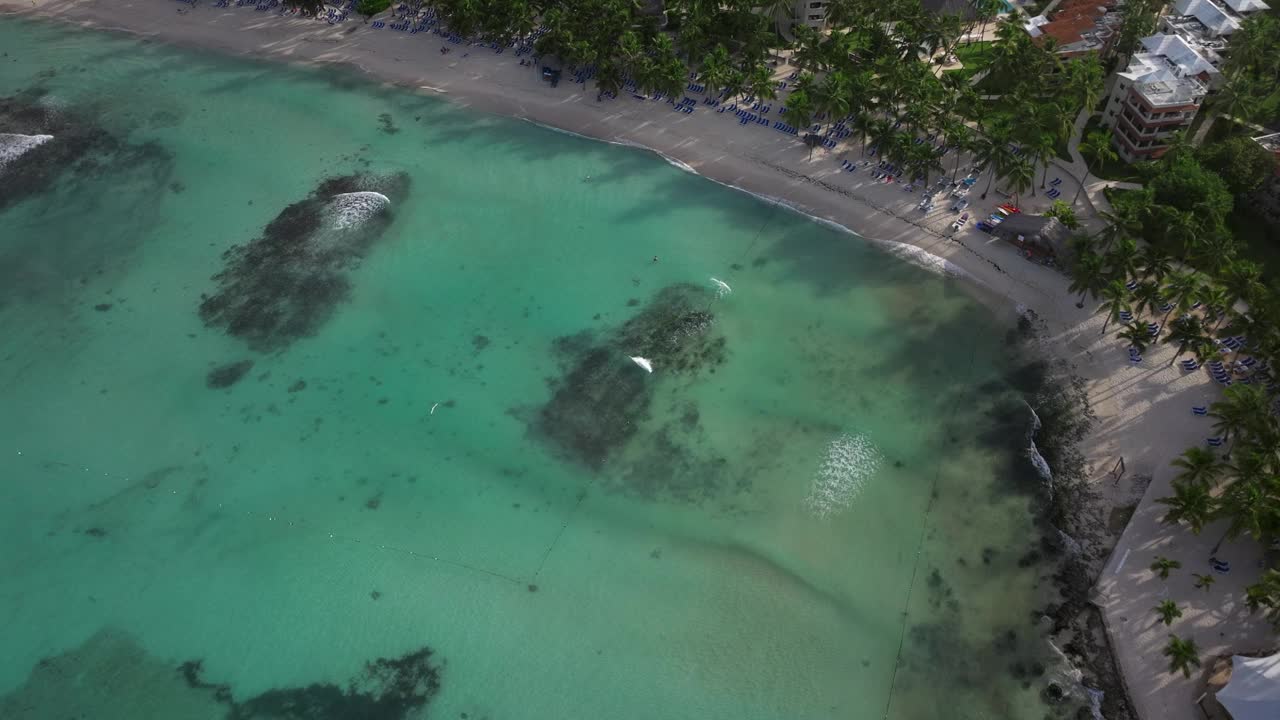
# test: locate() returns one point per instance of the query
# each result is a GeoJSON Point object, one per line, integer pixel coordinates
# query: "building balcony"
{"type": "Point", "coordinates": [1148, 118]}
{"type": "Point", "coordinates": [1136, 126]}
{"type": "Point", "coordinates": [1136, 145]}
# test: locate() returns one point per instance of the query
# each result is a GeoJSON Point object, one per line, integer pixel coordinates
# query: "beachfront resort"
{"type": "Point", "coordinates": [838, 359]}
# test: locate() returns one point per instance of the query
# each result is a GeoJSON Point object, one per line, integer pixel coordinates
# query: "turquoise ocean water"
{"type": "Point", "coordinates": [806, 511]}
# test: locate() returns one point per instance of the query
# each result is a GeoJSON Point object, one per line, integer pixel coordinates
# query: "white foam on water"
{"type": "Point", "coordinates": [1072, 546]}
{"type": "Point", "coordinates": [354, 208]}
{"type": "Point", "coordinates": [850, 460]}
{"type": "Point", "coordinates": [1033, 453]}
{"type": "Point", "coordinates": [722, 287]}
{"type": "Point", "coordinates": [1095, 703]}
{"type": "Point", "coordinates": [917, 256]}
{"type": "Point", "coordinates": [924, 259]}
{"type": "Point", "coordinates": [13, 146]}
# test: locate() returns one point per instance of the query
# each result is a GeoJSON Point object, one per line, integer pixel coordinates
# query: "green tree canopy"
{"type": "Point", "coordinates": [1241, 163]}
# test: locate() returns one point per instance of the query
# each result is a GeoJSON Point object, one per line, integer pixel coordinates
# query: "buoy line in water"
{"type": "Point", "coordinates": [924, 531]}
{"type": "Point", "coordinates": [305, 525]}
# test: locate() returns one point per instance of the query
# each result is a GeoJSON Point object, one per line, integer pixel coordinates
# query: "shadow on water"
{"type": "Point", "coordinates": [63, 176]}
{"type": "Point", "coordinates": [111, 676]}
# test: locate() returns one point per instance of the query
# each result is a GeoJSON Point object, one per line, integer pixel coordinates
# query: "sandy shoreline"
{"type": "Point", "coordinates": [756, 160]}
{"type": "Point", "coordinates": [1142, 409]}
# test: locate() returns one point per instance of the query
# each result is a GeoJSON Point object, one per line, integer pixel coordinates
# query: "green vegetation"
{"type": "Point", "coordinates": [1065, 213]}
{"type": "Point", "coordinates": [369, 8]}
{"type": "Point", "coordinates": [1162, 565]}
{"type": "Point", "coordinates": [1168, 611]}
{"type": "Point", "coordinates": [1251, 91]}
{"type": "Point", "coordinates": [1137, 20]}
{"type": "Point", "coordinates": [974, 57]}
{"type": "Point", "coordinates": [872, 68]}
{"type": "Point", "coordinates": [1104, 164]}
{"type": "Point", "coordinates": [1241, 163]}
{"type": "Point", "coordinates": [1183, 655]}
{"type": "Point", "coordinates": [1192, 283]}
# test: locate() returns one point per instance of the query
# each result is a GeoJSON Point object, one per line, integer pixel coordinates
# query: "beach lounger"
{"type": "Point", "coordinates": [1200, 410]}
{"type": "Point", "coordinates": [1214, 441]}
{"type": "Point", "coordinates": [1190, 365]}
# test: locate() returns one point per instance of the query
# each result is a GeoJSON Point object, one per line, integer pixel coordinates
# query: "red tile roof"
{"type": "Point", "coordinates": [1073, 18]}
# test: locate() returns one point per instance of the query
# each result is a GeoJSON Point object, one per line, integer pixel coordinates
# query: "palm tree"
{"type": "Point", "coordinates": [1182, 654]}
{"type": "Point", "coordinates": [760, 83]}
{"type": "Point", "coordinates": [1168, 611]}
{"type": "Point", "coordinates": [1138, 337]}
{"type": "Point", "coordinates": [986, 11]}
{"type": "Point", "coordinates": [1198, 466]}
{"type": "Point", "coordinates": [1266, 595]}
{"type": "Point", "coordinates": [1191, 503]}
{"type": "Point", "coordinates": [1097, 145]}
{"type": "Point", "coordinates": [1115, 300]}
{"type": "Point", "coordinates": [1154, 262]}
{"type": "Point", "coordinates": [1162, 565]}
{"type": "Point", "coordinates": [1085, 78]}
{"type": "Point", "coordinates": [1215, 300]}
{"type": "Point", "coordinates": [1203, 582]}
{"type": "Point", "coordinates": [862, 124]}
{"type": "Point", "coordinates": [781, 12]}
{"type": "Point", "coordinates": [1240, 411]}
{"type": "Point", "coordinates": [1043, 147]}
{"type": "Point", "coordinates": [1179, 291]}
{"type": "Point", "coordinates": [959, 139]}
{"type": "Point", "coordinates": [1242, 280]}
{"type": "Point", "coordinates": [1122, 257]}
{"type": "Point", "coordinates": [1251, 509]}
{"type": "Point", "coordinates": [833, 97]}
{"type": "Point", "coordinates": [1147, 297]}
{"type": "Point", "coordinates": [1088, 275]}
{"type": "Point", "coordinates": [1020, 175]}
{"type": "Point", "coordinates": [716, 70]}
{"type": "Point", "coordinates": [1187, 332]}
{"type": "Point", "coordinates": [994, 154]}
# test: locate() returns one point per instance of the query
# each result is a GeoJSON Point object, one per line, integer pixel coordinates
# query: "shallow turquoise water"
{"type": "Point", "coordinates": [396, 480]}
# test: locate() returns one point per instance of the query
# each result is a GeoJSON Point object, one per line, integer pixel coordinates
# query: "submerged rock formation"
{"type": "Point", "coordinates": [599, 412]}
{"type": "Point", "coordinates": [286, 283]}
{"type": "Point", "coordinates": [112, 677]}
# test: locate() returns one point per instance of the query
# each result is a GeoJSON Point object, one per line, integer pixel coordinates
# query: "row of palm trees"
{"type": "Point", "coordinates": [1193, 309]}
{"type": "Point", "coordinates": [876, 74]}
{"type": "Point", "coordinates": [873, 65]}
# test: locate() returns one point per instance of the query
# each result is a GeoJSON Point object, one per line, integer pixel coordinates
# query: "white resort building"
{"type": "Point", "coordinates": [811, 12]}
{"type": "Point", "coordinates": [1157, 95]}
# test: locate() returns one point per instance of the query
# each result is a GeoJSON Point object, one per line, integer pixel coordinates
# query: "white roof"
{"type": "Point", "coordinates": [1253, 693]}
{"type": "Point", "coordinates": [1033, 25]}
{"type": "Point", "coordinates": [1247, 6]}
{"type": "Point", "coordinates": [1188, 60]}
{"type": "Point", "coordinates": [1210, 15]}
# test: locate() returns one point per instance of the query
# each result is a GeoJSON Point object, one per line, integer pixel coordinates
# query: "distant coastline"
{"type": "Point", "coordinates": [773, 168]}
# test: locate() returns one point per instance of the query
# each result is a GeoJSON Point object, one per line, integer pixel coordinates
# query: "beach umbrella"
{"type": "Point", "coordinates": [1253, 693]}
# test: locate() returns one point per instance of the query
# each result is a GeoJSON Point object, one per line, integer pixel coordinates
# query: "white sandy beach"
{"type": "Point", "coordinates": [1143, 411]}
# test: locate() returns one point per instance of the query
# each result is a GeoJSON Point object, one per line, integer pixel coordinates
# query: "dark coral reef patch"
{"type": "Point", "coordinates": [285, 284]}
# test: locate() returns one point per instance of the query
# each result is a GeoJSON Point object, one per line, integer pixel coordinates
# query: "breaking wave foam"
{"type": "Point", "coordinates": [924, 259]}
{"type": "Point", "coordinates": [355, 208]}
{"type": "Point", "coordinates": [849, 462]}
{"type": "Point", "coordinates": [13, 146]}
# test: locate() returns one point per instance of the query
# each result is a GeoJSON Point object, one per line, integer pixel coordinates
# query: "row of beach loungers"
{"type": "Point", "coordinates": [415, 18]}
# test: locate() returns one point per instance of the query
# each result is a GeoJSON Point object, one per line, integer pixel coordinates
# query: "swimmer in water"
{"type": "Point", "coordinates": [655, 258]}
